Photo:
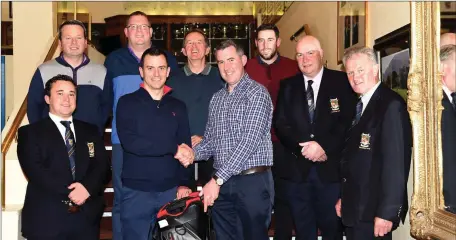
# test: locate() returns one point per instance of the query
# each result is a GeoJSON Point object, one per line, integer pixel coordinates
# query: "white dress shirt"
{"type": "Point", "coordinates": [56, 119]}
{"type": "Point", "coordinates": [365, 98]}
{"type": "Point", "coordinates": [315, 85]}
{"type": "Point", "coordinates": [448, 93]}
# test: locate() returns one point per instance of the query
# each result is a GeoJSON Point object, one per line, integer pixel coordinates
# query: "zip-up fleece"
{"type": "Point", "coordinates": [94, 92]}
{"type": "Point", "coordinates": [150, 132]}
{"type": "Point", "coordinates": [123, 70]}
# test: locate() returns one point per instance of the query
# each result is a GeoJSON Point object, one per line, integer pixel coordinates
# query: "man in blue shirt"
{"type": "Point", "coordinates": [238, 137]}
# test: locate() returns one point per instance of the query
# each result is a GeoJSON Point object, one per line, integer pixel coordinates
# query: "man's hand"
{"type": "Point", "coordinates": [183, 191]}
{"type": "Point", "coordinates": [382, 227]}
{"type": "Point", "coordinates": [196, 140]}
{"type": "Point", "coordinates": [339, 207]}
{"type": "Point", "coordinates": [313, 151]}
{"type": "Point", "coordinates": [79, 194]}
{"type": "Point", "coordinates": [185, 155]}
{"type": "Point", "coordinates": [210, 192]}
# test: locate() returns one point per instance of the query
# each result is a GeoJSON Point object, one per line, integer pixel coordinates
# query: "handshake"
{"type": "Point", "coordinates": [185, 155]}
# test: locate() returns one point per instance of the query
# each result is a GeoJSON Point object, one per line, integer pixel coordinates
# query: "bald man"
{"type": "Point", "coordinates": [447, 38]}
{"type": "Point", "coordinates": [314, 111]}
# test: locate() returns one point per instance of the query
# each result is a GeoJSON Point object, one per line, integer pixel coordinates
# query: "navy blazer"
{"type": "Point", "coordinates": [44, 160]}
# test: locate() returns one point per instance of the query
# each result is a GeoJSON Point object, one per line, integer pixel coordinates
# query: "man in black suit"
{"type": "Point", "coordinates": [447, 59]}
{"type": "Point", "coordinates": [376, 158]}
{"type": "Point", "coordinates": [66, 165]}
{"type": "Point", "coordinates": [314, 110]}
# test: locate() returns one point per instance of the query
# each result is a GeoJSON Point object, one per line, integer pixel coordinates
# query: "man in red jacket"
{"type": "Point", "coordinates": [269, 68]}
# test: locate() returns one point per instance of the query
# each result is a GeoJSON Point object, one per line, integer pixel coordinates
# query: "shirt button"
{"type": "Point", "coordinates": [312, 136]}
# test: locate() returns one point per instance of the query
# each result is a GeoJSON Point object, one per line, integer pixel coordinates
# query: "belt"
{"type": "Point", "coordinates": [258, 169]}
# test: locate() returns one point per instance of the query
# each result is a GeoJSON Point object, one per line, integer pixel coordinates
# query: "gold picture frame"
{"type": "Point", "coordinates": [351, 26]}
{"type": "Point", "coordinates": [427, 217]}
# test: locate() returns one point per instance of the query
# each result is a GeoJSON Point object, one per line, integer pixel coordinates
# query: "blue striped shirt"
{"type": "Point", "coordinates": [238, 129]}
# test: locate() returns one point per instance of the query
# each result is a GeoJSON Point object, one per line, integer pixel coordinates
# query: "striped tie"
{"type": "Point", "coordinates": [310, 99]}
{"type": "Point", "coordinates": [359, 111]}
{"type": "Point", "coordinates": [70, 145]}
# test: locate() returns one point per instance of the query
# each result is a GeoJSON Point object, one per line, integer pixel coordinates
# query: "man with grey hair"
{"type": "Point", "coordinates": [377, 154]}
{"type": "Point", "coordinates": [238, 137]}
{"type": "Point", "coordinates": [448, 62]}
{"type": "Point", "coordinates": [313, 112]}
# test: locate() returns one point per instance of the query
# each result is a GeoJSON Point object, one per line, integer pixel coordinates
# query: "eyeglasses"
{"type": "Point", "coordinates": [135, 27]}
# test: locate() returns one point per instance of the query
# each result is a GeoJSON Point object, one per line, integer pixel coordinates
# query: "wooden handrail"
{"type": "Point", "coordinates": [11, 135]}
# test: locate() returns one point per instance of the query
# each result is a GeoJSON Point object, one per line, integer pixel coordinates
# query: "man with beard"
{"type": "Point", "coordinates": [268, 69]}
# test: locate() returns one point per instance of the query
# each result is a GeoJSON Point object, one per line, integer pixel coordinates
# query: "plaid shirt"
{"type": "Point", "coordinates": [238, 129]}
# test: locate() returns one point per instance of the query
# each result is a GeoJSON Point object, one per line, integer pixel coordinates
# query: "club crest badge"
{"type": "Point", "coordinates": [334, 105]}
{"type": "Point", "coordinates": [91, 147]}
{"type": "Point", "coordinates": [365, 141]}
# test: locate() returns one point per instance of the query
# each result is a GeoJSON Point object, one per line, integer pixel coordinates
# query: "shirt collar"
{"type": "Point", "coordinates": [260, 61]}
{"type": "Point", "coordinates": [206, 70]}
{"type": "Point", "coordinates": [317, 79]}
{"type": "Point", "coordinates": [241, 82]}
{"type": "Point", "coordinates": [365, 98]}
{"type": "Point", "coordinates": [85, 60]}
{"type": "Point", "coordinates": [56, 119]}
{"type": "Point", "coordinates": [447, 92]}
{"type": "Point", "coordinates": [133, 54]}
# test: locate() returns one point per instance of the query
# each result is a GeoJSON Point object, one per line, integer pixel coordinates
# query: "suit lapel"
{"type": "Point", "coordinates": [82, 154]}
{"type": "Point", "coordinates": [322, 95]}
{"type": "Point", "coordinates": [302, 110]}
{"type": "Point", "coordinates": [58, 145]}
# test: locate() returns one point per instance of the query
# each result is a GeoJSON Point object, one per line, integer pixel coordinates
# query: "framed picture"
{"type": "Point", "coordinates": [393, 52]}
{"type": "Point", "coordinates": [351, 26]}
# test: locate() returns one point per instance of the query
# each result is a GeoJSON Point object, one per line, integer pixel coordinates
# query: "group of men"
{"type": "Point", "coordinates": [324, 148]}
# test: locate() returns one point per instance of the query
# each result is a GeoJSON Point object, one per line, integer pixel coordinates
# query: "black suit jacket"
{"type": "Point", "coordinates": [43, 157]}
{"type": "Point", "coordinates": [449, 153]}
{"type": "Point", "coordinates": [376, 161]}
{"type": "Point", "coordinates": [334, 110]}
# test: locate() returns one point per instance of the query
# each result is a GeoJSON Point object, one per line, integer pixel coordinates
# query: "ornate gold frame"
{"type": "Point", "coordinates": [427, 217]}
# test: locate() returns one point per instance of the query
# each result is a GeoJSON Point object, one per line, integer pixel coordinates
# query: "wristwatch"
{"type": "Point", "coordinates": [218, 180]}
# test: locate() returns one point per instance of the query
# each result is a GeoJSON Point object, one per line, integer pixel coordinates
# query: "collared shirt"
{"type": "Point", "coordinates": [238, 130]}
{"type": "Point", "coordinates": [365, 98]}
{"type": "Point", "coordinates": [316, 83]}
{"type": "Point", "coordinates": [56, 119]}
{"type": "Point", "coordinates": [134, 55]}
{"type": "Point", "coordinates": [260, 60]}
{"type": "Point", "coordinates": [206, 70]}
{"type": "Point", "coordinates": [448, 93]}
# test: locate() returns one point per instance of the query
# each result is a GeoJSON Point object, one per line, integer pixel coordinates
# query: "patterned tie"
{"type": "Point", "coordinates": [70, 145]}
{"type": "Point", "coordinates": [310, 100]}
{"type": "Point", "coordinates": [359, 111]}
{"type": "Point", "coordinates": [453, 95]}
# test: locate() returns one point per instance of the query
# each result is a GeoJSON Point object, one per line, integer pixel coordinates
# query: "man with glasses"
{"type": "Point", "coordinates": [151, 124]}
{"type": "Point", "coordinates": [94, 89]}
{"type": "Point", "coordinates": [314, 111]}
{"type": "Point", "coordinates": [123, 70]}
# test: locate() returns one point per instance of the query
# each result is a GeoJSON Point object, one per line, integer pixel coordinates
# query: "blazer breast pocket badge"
{"type": "Point", "coordinates": [91, 147]}
{"type": "Point", "coordinates": [365, 141]}
{"type": "Point", "coordinates": [334, 105]}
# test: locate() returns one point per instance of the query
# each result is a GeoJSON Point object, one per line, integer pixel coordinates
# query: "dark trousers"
{"type": "Point", "coordinates": [76, 228]}
{"type": "Point", "coordinates": [364, 231]}
{"type": "Point", "coordinates": [312, 205]}
{"type": "Point", "coordinates": [243, 208]}
{"type": "Point", "coordinates": [139, 209]}
{"type": "Point", "coordinates": [117, 163]}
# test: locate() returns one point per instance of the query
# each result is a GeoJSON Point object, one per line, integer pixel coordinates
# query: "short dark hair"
{"type": "Point", "coordinates": [196, 30]}
{"type": "Point", "coordinates": [60, 77]}
{"type": "Point", "coordinates": [229, 43]}
{"type": "Point", "coordinates": [153, 51]}
{"type": "Point", "coordinates": [267, 26]}
{"type": "Point", "coordinates": [72, 22]}
{"type": "Point", "coordinates": [136, 13]}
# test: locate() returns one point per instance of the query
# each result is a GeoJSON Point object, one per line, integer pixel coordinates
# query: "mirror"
{"type": "Point", "coordinates": [429, 219]}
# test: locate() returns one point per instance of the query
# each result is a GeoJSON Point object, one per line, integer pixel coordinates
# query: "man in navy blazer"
{"type": "Point", "coordinates": [376, 158]}
{"type": "Point", "coordinates": [313, 112]}
{"type": "Point", "coordinates": [61, 203]}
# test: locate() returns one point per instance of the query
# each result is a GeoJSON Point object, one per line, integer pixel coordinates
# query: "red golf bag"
{"type": "Point", "coordinates": [183, 219]}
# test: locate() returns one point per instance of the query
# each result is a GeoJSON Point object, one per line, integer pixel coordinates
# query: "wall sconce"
{"type": "Point", "coordinates": [304, 28]}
